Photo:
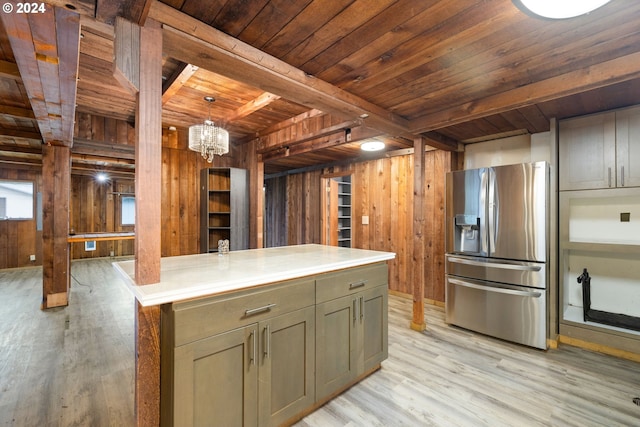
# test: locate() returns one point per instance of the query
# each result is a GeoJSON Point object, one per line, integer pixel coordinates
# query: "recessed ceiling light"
{"type": "Point", "coordinates": [372, 146]}
{"type": "Point", "coordinates": [559, 9]}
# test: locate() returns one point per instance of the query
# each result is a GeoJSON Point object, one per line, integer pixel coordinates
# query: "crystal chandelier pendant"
{"type": "Point", "coordinates": [207, 138]}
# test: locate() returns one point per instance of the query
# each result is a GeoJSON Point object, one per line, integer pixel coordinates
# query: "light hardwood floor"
{"type": "Point", "coordinates": [73, 366]}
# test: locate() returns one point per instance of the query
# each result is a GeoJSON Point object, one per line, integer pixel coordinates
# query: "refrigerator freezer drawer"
{"type": "Point", "coordinates": [512, 313]}
{"type": "Point", "coordinates": [523, 273]}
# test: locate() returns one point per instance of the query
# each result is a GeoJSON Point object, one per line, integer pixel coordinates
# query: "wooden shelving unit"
{"type": "Point", "coordinates": [224, 208]}
{"type": "Point", "coordinates": [344, 211]}
{"type": "Point", "coordinates": [599, 205]}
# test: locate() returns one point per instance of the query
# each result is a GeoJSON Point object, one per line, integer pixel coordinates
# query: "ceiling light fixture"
{"type": "Point", "coordinates": [102, 177]}
{"type": "Point", "coordinates": [558, 9]}
{"type": "Point", "coordinates": [208, 139]}
{"type": "Point", "coordinates": [373, 145]}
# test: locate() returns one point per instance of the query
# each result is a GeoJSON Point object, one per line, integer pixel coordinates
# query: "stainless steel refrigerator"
{"type": "Point", "coordinates": [497, 227]}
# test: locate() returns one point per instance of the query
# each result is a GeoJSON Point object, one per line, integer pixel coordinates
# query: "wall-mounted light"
{"type": "Point", "coordinates": [558, 9]}
{"type": "Point", "coordinates": [373, 145]}
{"type": "Point", "coordinates": [102, 177]}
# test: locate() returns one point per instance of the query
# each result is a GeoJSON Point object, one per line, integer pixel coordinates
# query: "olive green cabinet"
{"type": "Point", "coordinates": [268, 355]}
{"type": "Point", "coordinates": [216, 381]}
{"type": "Point", "coordinates": [286, 366]}
{"type": "Point", "coordinates": [351, 331]}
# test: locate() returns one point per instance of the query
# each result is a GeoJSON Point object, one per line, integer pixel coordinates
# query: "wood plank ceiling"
{"type": "Point", "coordinates": [453, 71]}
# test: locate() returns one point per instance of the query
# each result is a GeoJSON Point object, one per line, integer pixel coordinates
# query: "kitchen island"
{"type": "Point", "coordinates": [265, 336]}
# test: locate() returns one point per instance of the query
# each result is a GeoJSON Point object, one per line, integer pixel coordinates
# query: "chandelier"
{"type": "Point", "coordinates": [207, 138]}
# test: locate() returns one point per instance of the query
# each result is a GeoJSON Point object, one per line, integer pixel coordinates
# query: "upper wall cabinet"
{"type": "Point", "coordinates": [600, 151]}
{"type": "Point", "coordinates": [628, 147]}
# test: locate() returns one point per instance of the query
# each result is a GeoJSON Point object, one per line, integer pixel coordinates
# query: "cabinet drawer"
{"type": "Point", "coordinates": [197, 319]}
{"type": "Point", "coordinates": [335, 285]}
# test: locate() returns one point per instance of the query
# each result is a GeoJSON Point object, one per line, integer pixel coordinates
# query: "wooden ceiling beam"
{"type": "Point", "coordinates": [9, 70]}
{"type": "Point", "coordinates": [46, 47]}
{"type": "Point", "coordinates": [16, 112]}
{"type": "Point", "coordinates": [264, 146]}
{"type": "Point", "coordinates": [103, 149]}
{"type": "Point", "coordinates": [252, 106]}
{"type": "Point", "coordinates": [137, 11]}
{"type": "Point", "coordinates": [82, 7]}
{"type": "Point", "coordinates": [20, 134]}
{"type": "Point", "coordinates": [192, 41]}
{"type": "Point", "coordinates": [596, 76]}
{"type": "Point", "coordinates": [441, 142]}
{"type": "Point", "coordinates": [177, 80]}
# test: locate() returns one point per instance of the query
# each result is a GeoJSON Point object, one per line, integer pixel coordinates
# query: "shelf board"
{"type": "Point", "coordinates": [219, 228]}
{"type": "Point", "coordinates": [219, 213]}
{"type": "Point", "coordinates": [601, 247]}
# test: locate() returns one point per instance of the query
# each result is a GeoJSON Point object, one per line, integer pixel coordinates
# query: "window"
{"type": "Point", "coordinates": [128, 216]}
{"type": "Point", "coordinates": [16, 200]}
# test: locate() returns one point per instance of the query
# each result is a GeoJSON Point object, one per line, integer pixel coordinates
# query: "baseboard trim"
{"type": "Point", "coordinates": [587, 345]}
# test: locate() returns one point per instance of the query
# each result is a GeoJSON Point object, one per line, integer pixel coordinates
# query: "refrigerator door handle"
{"type": "Point", "coordinates": [496, 290]}
{"type": "Point", "coordinates": [491, 211]}
{"type": "Point", "coordinates": [484, 237]}
{"type": "Point", "coordinates": [495, 264]}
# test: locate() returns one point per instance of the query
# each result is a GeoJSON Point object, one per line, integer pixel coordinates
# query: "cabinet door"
{"type": "Point", "coordinates": [628, 147]}
{"type": "Point", "coordinates": [215, 380]}
{"type": "Point", "coordinates": [587, 152]}
{"type": "Point", "coordinates": [286, 359]}
{"type": "Point", "coordinates": [373, 316]}
{"type": "Point", "coordinates": [336, 341]}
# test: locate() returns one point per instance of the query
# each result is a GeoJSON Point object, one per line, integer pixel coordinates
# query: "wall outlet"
{"type": "Point", "coordinates": [112, 253]}
{"type": "Point", "coordinates": [365, 219]}
{"type": "Point", "coordinates": [32, 257]}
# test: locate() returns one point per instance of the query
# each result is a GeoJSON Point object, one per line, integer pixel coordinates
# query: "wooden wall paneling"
{"type": "Point", "coordinates": [12, 236]}
{"type": "Point", "coordinates": [97, 128]}
{"type": "Point", "coordinates": [5, 244]}
{"type": "Point", "coordinates": [312, 207]}
{"type": "Point", "coordinates": [276, 212]}
{"type": "Point", "coordinates": [110, 218]}
{"type": "Point", "coordinates": [362, 187]}
{"type": "Point", "coordinates": [442, 165]}
{"type": "Point", "coordinates": [418, 248]}
{"type": "Point", "coordinates": [110, 130]}
{"type": "Point", "coordinates": [294, 207]}
{"type": "Point", "coordinates": [189, 210]}
{"type": "Point", "coordinates": [401, 174]}
{"type": "Point", "coordinates": [171, 205]}
{"type": "Point", "coordinates": [252, 162]}
{"type": "Point", "coordinates": [83, 125]}
{"type": "Point", "coordinates": [122, 132]}
{"type": "Point", "coordinates": [428, 206]}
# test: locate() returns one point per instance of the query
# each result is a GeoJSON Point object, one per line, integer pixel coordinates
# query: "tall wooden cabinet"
{"type": "Point", "coordinates": [337, 202]}
{"type": "Point", "coordinates": [224, 208]}
{"type": "Point", "coordinates": [599, 227]}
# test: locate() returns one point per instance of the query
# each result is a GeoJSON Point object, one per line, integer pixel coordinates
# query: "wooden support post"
{"type": "Point", "coordinates": [56, 182]}
{"type": "Point", "coordinates": [148, 186]}
{"type": "Point", "coordinates": [252, 161]}
{"type": "Point", "coordinates": [418, 323]}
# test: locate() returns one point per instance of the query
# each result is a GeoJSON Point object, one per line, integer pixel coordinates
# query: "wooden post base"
{"type": "Point", "coordinates": [418, 326]}
{"type": "Point", "coordinates": [61, 299]}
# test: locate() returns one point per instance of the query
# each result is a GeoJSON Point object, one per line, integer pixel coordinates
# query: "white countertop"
{"type": "Point", "coordinates": [192, 276]}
